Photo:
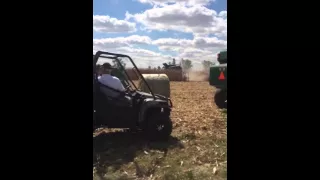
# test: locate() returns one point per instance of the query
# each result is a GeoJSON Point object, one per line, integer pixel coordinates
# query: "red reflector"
{"type": "Point", "coordinates": [221, 77]}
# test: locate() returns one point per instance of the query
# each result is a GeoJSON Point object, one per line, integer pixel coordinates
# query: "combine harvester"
{"type": "Point", "coordinates": [218, 79]}
{"type": "Point", "coordinates": [178, 69]}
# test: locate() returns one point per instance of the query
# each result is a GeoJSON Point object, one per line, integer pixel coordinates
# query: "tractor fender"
{"type": "Point", "coordinates": [151, 104]}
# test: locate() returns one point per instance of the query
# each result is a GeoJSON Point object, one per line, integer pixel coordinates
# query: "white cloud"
{"type": "Point", "coordinates": [197, 50]}
{"type": "Point", "coordinates": [196, 54]}
{"type": "Point", "coordinates": [223, 14]}
{"type": "Point", "coordinates": [196, 19]}
{"type": "Point", "coordinates": [190, 16]}
{"type": "Point", "coordinates": [170, 44]}
{"type": "Point", "coordinates": [211, 44]}
{"type": "Point", "coordinates": [141, 57]}
{"type": "Point", "coordinates": [124, 45]}
{"type": "Point", "coordinates": [185, 2]}
{"type": "Point", "coordinates": [108, 24]}
{"type": "Point", "coordinates": [120, 41]}
{"type": "Point", "coordinates": [144, 58]}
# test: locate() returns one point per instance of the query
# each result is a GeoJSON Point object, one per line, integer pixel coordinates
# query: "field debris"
{"type": "Point", "coordinates": [197, 149]}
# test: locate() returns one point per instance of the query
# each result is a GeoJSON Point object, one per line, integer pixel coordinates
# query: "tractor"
{"type": "Point", "coordinates": [218, 79]}
{"type": "Point", "coordinates": [132, 109]}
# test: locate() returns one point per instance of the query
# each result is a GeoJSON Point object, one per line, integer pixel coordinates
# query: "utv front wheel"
{"type": "Point", "coordinates": [159, 128]}
{"type": "Point", "coordinates": [220, 98]}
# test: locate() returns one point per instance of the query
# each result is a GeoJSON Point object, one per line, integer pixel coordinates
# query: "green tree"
{"type": "Point", "coordinates": [173, 61]}
{"type": "Point", "coordinates": [186, 64]}
{"type": "Point", "coordinates": [206, 64]}
{"type": "Point", "coordinates": [116, 65]}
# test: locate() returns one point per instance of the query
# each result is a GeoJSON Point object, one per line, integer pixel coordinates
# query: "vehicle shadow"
{"type": "Point", "coordinates": [117, 148]}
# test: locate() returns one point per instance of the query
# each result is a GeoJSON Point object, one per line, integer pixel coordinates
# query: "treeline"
{"type": "Point", "coordinates": [173, 74]}
{"type": "Point", "coordinates": [186, 64]}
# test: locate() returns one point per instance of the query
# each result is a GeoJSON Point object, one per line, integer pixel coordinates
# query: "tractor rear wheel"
{"type": "Point", "coordinates": [220, 98]}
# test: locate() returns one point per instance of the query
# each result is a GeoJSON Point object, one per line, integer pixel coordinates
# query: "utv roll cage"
{"type": "Point", "coordinates": [114, 56]}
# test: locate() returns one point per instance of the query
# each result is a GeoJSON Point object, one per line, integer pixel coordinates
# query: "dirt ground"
{"type": "Point", "coordinates": [196, 150]}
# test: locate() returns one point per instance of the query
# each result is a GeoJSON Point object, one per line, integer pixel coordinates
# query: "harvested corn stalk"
{"type": "Point", "coordinates": [159, 84]}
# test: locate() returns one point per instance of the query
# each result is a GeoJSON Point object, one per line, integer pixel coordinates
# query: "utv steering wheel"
{"type": "Point", "coordinates": [127, 90]}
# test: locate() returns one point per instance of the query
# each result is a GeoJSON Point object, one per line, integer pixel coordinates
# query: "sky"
{"type": "Point", "coordinates": [153, 32]}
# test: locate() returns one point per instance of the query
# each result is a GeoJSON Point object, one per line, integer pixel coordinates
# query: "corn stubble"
{"type": "Point", "coordinates": [199, 128]}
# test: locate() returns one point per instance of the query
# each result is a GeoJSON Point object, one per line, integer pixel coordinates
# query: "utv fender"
{"type": "Point", "coordinates": [160, 106]}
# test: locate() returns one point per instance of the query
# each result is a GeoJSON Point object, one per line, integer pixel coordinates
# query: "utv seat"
{"type": "Point", "coordinates": [114, 97]}
{"type": "Point", "coordinates": [112, 112]}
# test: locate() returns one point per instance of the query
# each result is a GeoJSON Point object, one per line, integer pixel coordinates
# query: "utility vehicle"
{"type": "Point", "coordinates": [132, 109]}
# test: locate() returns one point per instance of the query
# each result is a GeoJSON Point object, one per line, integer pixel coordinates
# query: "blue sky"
{"type": "Point", "coordinates": [196, 31]}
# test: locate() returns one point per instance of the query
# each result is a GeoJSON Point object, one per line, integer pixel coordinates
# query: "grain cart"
{"type": "Point", "coordinates": [132, 109]}
{"type": "Point", "coordinates": [218, 79]}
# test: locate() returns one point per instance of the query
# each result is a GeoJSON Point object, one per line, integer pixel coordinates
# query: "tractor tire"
{"type": "Point", "coordinates": [159, 127]}
{"type": "Point", "coordinates": [220, 98]}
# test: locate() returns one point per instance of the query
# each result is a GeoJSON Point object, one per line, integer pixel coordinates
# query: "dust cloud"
{"type": "Point", "coordinates": [197, 75]}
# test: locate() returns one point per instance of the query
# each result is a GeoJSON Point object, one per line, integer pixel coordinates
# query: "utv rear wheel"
{"type": "Point", "coordinates": [159, 127]}
{"type": "Point", "coordinates": [220, 98]}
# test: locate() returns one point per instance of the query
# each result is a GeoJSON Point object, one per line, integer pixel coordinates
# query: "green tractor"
{"type": "Point", "coordinates": [218, 79]}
